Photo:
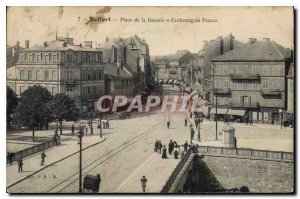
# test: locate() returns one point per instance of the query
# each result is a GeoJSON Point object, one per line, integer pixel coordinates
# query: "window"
{"type": "Point", "coordinates": [265, 85]}
{"type": "Point", "coordinates": [99, 75]}
{"type": "Point", "coordinates": [276, 70]}
{"type": "Point", "coordinates": [225, 70]}
{"type": "Point", "coordinates": [38, 58]}
{"type": "Point", "coordinates": [226, 84]}
{"type": "Point", "coordinates": [38, 75]}
{"type": "Point", "coordinates": [29, 74]}
{"type": "Point", "coordinates": [88, 76]}
{"type": "Point", "coordinates": [234, 85]}
{"type": "Point", "coordinates": [88, 90]}
{"type": "Point", "coordinates": [83, 75]}
{"type": "Point", "coordinates": [234, 70]}
{"type": "Point", "coordinates": [46, 75]}
{"type": "Point", "coordinates": [54, 58]}
{"type": "Point", "coordinates": [30, 57]}
{"type": "Point", "coordinates": [46, 58]}
{"type": "Point", "coordinates": [97, 58]}
{"type": "Point", "coordinates": [69, 58]}
{"type": "Point", "coordinates": [276, 85]}
{"type": "Point", "coordinates": [83, 57]}
{"type": "Point", "coordinates": [254, 70]}
{"type": "Point", "coordinates": [245, 69]}
{"type": "Point", "coordinates": [265, 70]}
{"type": "Point", "coordinates": [22, 74]}
{"type": "Point", "coordinates": [218, 84]}
{"type": "Point", "coordinates": [69, 90]}
{"type": "Point", "coordinates": [54, 75]}
{"type": "Point", "coordinates": [95, 75]}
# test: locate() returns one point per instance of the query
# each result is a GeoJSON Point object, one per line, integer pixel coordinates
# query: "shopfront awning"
{"type": "Point", "coordinates": [236, 112]}
{"type": "Point", "coordinates": [220, 111]}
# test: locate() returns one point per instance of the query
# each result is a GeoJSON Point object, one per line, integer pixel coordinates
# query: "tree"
{"type": "Point", "coordinates": [63, 108]}
{"type": "Point", "coordinates": [33, 111]}
{"type": "Point", "coordinates": [11, 104]}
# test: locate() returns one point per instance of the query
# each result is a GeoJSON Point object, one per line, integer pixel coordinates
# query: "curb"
{"type": "Point", "coordinates": [20, 180]}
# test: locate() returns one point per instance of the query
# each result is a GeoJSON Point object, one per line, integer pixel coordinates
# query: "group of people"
{"type": "Point", "coordinates": [20, 161]}
{"type": "Point", "coordinates": [173, 149]}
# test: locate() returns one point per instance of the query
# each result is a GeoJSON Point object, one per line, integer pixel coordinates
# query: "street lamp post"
{"type": "Point", "coordinates": [144, 183]}
{"type": "Point", "coordinates": [100, 125]}
{"type": "Point", "coordinates": [91, 117]}
{"type": "Point", "coordinates": [216, 116]}
{"type": "Point", "coordinates": [199, 129]}
{"type": "Point", "coordinates": [80, 158]}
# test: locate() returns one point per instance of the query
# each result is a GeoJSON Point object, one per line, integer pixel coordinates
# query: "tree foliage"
{"type": "Point", "coordinates": [11, 104]}
{"type": "Point", "coordinates": [33, 110]}
{"type": "Point", "coordinates": [63, 108]}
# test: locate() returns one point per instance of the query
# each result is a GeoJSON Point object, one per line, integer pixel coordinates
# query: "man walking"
{"type": "Point", "coordinates": [43, 156]}
{"type": "Point", "coordinates": [72, 129]}
{"type": "Point", "coordinates": [156, 146]}
{"type": "Point", "coordinates": [168, 124]}
{"type": "Point", "coordinates": [160, 146]}
{"type": "Point", "coordinates": [185, 122]}
{"type": "Point", "coordinates": [185, 146]}
{"type": "Point", "coordinates": [171, 144]}
{"type": "Point", "coordinates": [192, 134]}
{"type": "Point", "coordinates": [20, 165]}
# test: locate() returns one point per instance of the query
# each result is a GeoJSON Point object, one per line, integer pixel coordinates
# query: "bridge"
{"type": "Point", "coordinates": [227, 170]}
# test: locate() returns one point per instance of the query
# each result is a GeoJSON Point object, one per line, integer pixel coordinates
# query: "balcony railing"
{"type": "Point", "coordinates": [222, 91]}
{"type": "Point", "coordinates": [270, 92]}
{"type": "Point", "coordinates": [240, 104]}
{"type": "Point", "coordinates": [244, 76]}
{"type": "Point", "coordinates": [68, 82]}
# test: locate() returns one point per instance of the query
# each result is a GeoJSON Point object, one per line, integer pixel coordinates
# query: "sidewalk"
{"type": "Point", "coordinates": [68, 147]}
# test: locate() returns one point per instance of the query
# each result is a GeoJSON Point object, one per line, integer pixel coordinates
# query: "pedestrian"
{"type": "Point", "coordinates": [164, 154]}
{"type": "Point", "coordinates": [185, 122]}
{"type": "Point", "coordinates": [168, 124]}
{"type": "Point", "coordinates": [192, 134]}
{"type": "Point", "coordinates": [160, 146]}
{"type": "Point", "coordinates": [43, 156]}
{"type": "Point", "coordinates": [176, 154]}
{"type": "Point", "coordinates": [185, 146]}
{"type": "Point", "coordinates": [20, 165]}
{"type": "Point", "coordinates": [191, 115]}
{"type": "Point", "coordinates": [156, 146]}
{"type": "Point", "coordinates": [72, 128]}
{"type": "Point", "coordinates": [251, 122]}
{"type": "Point", "coordinates": [55, 139]}
{"type": "Point", "coordinates": [107, 124]}
{"type": "Point", "coordinates": [104, 124]}
{"type": "Point", "coordinates": [10, 158]}
{"type": "Point", "coordinates": [171, 145]}
{"type": "Point", "coordinates": [86, 130]}
{"type": "Point", "coordinates": [182, 154]}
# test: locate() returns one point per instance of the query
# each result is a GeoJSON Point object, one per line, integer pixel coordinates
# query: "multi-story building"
{"type": "Point", "coordinates": [212, 49]}
{"type": "Point", "coordinates": [61, 67]}
{"type": "Point", "coordinates": [252, 78]}
{"type": "Point", "coordinates": [132, 54]}
{"type": "Point", "coordinates": [158, 68]}
{"type": "Point", "coordinates": [12, 54]}
{"type": "Point", "coordinates": [290, 89]}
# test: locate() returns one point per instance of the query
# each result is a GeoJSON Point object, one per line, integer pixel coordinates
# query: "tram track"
{"type": "Point", "coordinates": [92, 165]}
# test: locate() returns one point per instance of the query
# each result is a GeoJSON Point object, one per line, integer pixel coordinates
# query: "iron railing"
{"type": "Point", "coordinates": [35, 149]}
{"type": "Point", "coordinates": [176, 171]}
{"type": "Point", "coordinates": [279, 155]}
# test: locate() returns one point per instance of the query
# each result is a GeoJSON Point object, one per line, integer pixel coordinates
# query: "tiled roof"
{"type": "Point", "coordinates": [112, 70]}
{"type": "Point", "coordinates": [256, 51]}
{"type": "Point", "coordinates": [57, 45]}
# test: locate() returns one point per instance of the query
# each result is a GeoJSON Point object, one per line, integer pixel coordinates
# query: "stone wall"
{"type": "Point", "coordinates": [264, 176]}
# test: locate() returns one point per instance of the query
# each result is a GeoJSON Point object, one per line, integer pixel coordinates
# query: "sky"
{"type": "Point", "coordinates": [39, 24]}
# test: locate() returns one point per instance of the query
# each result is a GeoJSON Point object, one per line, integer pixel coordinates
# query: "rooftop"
{"type": "Point", "coordinates": [254, 50]}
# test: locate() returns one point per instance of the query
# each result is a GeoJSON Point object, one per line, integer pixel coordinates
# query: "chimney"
{"type": "Point", "coordinates": [118, 71]}
{"type": "Point", "coordinates": [252, 40]}
{"type": "Point", "coordinates": [205, 42]}
{"type": "Point", "coordinates": [45, 44]}
{"type": "Point", "coordinates": [80, 45]}
{"type": "Point", "coordinates": [88, 44]}
{"type": "Point", "coordinates": [65, 44]}
{"type": "Point", "coordinates": [266, 39]}
{"type": "Point", "coordinates": [18, 43]}
{"type": "Point", "coordinates": [219, 37]}
{"type": "Point", "coordinates": [26, 43]}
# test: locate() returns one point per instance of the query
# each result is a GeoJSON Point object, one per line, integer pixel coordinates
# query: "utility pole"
{"type": "Point", "coordinates": [80, 160]}
{"type": "Point", "coordinates": [216, 117]}
{"type": "Point", "coordinates": [100, 125]}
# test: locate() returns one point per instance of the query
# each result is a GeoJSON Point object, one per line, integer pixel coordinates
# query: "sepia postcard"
{"type": "Point", "coordinates": [168, 100]}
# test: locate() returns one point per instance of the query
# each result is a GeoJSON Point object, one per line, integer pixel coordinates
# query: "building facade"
{"type": "Point", "coordinates": [61, 67]}
{"type": "Point", "coordinates": [212, 49]}
{"type": "Point", "coordinates": [252, 78]}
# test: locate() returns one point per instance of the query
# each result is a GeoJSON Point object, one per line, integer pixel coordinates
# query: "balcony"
{"type": "Point", "coordinates": [70, 82]}
{"type": "Point", "coordinates": [270, 92]}
{"type": "Point", "coordinates": [244, 77]}
{"type": "Point", "coordinates": [244, 105]}
{"type": "Point", "coordinates": [222, 91]}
